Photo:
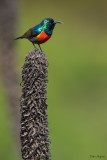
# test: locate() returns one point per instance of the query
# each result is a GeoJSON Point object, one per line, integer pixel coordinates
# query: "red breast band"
{"type": "Point", "coordinates": [43, 37]}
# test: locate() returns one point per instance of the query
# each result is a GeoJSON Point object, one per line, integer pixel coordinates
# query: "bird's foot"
{"type": "Point", "coordinates": [34, 46]}
{"type": "Point", "coordinates": [41, 50]}
{"type": "Point", "coordinates": [40, 47]}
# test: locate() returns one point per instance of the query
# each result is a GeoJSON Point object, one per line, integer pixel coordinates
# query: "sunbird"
{"type": "Point", "coordinates": [41, 32]}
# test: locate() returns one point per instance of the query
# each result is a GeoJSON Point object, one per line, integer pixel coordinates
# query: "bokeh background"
{"type": "Point", "coordinates": [77, 88]}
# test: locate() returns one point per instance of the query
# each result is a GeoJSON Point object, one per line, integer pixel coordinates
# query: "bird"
{"type": "Point", "coordinates": [41, 32]}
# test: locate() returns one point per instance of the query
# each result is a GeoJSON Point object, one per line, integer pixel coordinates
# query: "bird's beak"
{"type": "Point", "coordinates": [58, 22]}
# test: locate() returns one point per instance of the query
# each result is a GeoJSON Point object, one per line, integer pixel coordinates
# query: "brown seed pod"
{"type": "Point", "coordinates": [34, 124]}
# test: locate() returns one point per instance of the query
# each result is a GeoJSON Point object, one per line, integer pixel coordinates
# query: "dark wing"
{"type": "Point", "coordinates": [30, 34]}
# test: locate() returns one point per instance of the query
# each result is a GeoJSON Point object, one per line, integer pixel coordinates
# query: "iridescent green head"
{"type": "Point", "coordinates": [48, 25]}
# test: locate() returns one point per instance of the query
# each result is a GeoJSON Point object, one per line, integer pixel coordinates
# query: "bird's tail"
{"type": "Point", "coordinates": [19, 37]}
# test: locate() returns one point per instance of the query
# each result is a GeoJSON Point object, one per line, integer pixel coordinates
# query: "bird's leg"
{"type": "Point", "coordinates": [34, 45]}
{"type": "Point", "coordinates": [40, 47]}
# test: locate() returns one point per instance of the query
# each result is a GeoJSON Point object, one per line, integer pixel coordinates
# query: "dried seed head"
{"type": "Point", "coordinates": [34, 124]}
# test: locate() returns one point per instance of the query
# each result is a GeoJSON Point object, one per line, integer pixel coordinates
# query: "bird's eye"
{"type": "Point", "coordinates": [51, 21]}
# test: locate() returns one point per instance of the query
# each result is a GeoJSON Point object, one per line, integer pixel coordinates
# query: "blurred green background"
{"type": "Point", "coordinates": [77, 88]}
